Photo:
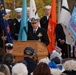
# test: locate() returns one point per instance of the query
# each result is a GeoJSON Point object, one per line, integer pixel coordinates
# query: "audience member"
{"type": "Point", "coordinates": [55, 55]}
{"type": "Point", "coordinates": [19, 69]}
{"type": "Point", "coordinates": [70, 67]}
{"type": "Point", "coordinates": [4, 69]}
{"type": "Point", "coordinates": [55, 67]}
{"type": "Point", "coordinates": [42, 69]}
{"type": "Point", "coordinates": [56, 60]}
{"type": "Point", "coordinates": [9, 48]}
{"type": "Point", "coordinates": [28, 57]}
{"type": "Point", "coordinates": [8, 59]}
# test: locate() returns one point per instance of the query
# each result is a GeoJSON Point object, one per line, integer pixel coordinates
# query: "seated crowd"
{"type": "Point", "coordinates": [30, 65]}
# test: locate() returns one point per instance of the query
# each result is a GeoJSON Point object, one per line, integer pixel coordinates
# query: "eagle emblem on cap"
{"type": "Point", "coordinates": [28, 52]}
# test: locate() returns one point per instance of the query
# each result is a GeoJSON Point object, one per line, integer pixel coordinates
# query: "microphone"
{"type": "Point", "coordinates": [25, 29]}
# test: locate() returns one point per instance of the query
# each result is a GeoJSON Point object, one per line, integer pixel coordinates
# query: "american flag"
{"type": "Point", "coordinates": [4, 22]}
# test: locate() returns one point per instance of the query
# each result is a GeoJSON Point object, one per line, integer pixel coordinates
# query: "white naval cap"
{"type": "Point", "coordinates": [47, 7]}
{"type": "Point", "coordinates": [18, 9]}
{"type": "Point", "coordinates": [28, 8]}
{"type": "Point", "coordinates": [7, 44]}
{"type": "Point", "coordinates": [7, 10]}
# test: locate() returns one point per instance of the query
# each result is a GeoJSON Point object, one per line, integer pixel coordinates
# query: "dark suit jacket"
{"type": "Point", "coordinates": [31, 65]}
{"type": "Point", "coordinates": [59, 32]}
{"type": "Point", "coordinates": [60, 35]}
{"type": "Point", "coordinates": [10, 22]}
{"type": "Point", "coordinates": [35, 36]}
{"type": "Point", "coordinates": [44, 22]}
{"type": "Point", "coordinates": [15, 28]}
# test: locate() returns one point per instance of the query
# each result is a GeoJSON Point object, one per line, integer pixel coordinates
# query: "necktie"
{"type": "Point", "coordinates": [34, 31]}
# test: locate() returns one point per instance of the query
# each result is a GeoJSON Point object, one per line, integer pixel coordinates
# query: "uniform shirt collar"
{"type": "Point", "coordinates": [18, 20]}
{"type": "Point", "coordinates": [35, 29]}
{"type": "Point", "coordinates": [47, 17]}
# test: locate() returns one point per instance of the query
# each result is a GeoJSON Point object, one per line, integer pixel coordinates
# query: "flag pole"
{"type": "Point", "coordinates": [68, 50]}
{"type": "Point", "coordinates": [3, 40]}
{"type": "Point", "coordinates": [59, 8]}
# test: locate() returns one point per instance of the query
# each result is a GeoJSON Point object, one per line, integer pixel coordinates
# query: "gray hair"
{"type": "Point", "coordinates": [70, 65]}
{"type": "Point", "coordinates": [19, 69]}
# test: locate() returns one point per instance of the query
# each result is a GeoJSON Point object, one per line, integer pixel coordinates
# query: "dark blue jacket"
{"type": "Point", "coordinates": [30, 64]}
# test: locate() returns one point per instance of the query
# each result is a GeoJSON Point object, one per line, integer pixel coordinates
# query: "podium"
{"type": "Point", "coordinates": [19, 46]}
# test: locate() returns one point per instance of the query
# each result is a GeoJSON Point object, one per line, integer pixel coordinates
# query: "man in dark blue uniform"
{"type": "Point", "coordinates": [16, 23]}
{"type": "Point", "coordinates": [44, 20]}
{"type": "Point", "coordinates": [28, 57]}
{"type": "Point", "coordinates": [37, 33]}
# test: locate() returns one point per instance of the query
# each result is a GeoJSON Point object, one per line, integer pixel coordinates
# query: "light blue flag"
{"type": "Point", "coordinates": [72, 23]}
{"type": "Point", "coordinates": [24, 23]}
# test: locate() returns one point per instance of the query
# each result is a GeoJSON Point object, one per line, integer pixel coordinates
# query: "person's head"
{"type": "Point", "coordinates": [55, 56]}
{"type": "Point", "coordinates": [28, 12]}
{"type": "Point", "coordinates": [4, 69]}
{"type": "Point", "coordinates": [29, 52]}
{"type": "Point", "coordinates": [8, 59]}
{"type": "Point", "coordinates": [8, 13]}
{"type": "Point", "coordinates": [35, 22]}
{"type": "Point", "coordinates": [42, 69]}
{"type": "Point", "coordinates": [19, 69]}
{"type": "Point", "coordinates": [56, 60]}
{"type": "Point", "coordinates": [9, 48]}
{"type": "Point", "coordinates": [47, 10]}
{"type": "Point", "coordinates": [70, 65]}
{"type": "Point", "coordinates": [19, 12]}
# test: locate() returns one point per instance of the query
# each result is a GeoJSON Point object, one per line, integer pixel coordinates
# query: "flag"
{"type": "Point", "coordinates": [51, 27]}
{"type": "Point", "coordinates": [65, 15]}
{"type": "Point", "coordinates": [72, 23]}
{"type": "Point", "coordinates": [33, 10]}
{"type": "Point", "coordinates": [4, 22]}
{"type": "Point", "coordinates": [24, 23]}
{"type": "Point", "coordinates": [64, 19]}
